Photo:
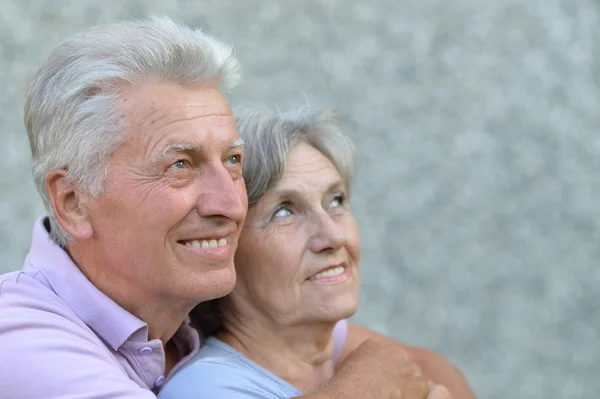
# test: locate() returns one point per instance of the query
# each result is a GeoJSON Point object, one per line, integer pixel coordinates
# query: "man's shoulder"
{"type": "Point", "coordinates": [20, 287]}
{"type": "Point", "coordinates": [29, 307]}
{"type": "Point", "coordinates": [28, 290]}
{"type": "Point", "coordinates": [47, 350]}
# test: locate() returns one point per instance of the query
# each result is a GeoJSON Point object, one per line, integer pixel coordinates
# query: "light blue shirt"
{"type": "Point", "coordinates": [219, 371]}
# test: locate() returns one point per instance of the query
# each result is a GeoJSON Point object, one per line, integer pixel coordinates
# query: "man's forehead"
{"type": "Point", "coordinates": [161, 114]}
{"type": "Point", "coordinates": [156, 103]}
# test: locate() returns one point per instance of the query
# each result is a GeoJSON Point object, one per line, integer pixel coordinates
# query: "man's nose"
{"type": "Point", "coordinates": [221, 195]}
{"type": "Point", "coordinates": [327, 234]}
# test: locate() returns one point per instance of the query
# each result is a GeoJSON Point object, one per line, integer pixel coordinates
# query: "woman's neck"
{"type": "Point", "coordinates": [301, 354]}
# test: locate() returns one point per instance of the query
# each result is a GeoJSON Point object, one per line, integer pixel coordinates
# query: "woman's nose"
{"type": "Point", "coordinates": [327, 234]}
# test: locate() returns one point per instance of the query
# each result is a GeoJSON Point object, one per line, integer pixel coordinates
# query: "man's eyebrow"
{"type": "Point", "coordinates": [238, 143]}
{"type": "Point", "coordinates": [174, 148]}
{"type": "Point", "coordinates": [187, 147]}
{"type": "Point", "coordinates": [178, 147]}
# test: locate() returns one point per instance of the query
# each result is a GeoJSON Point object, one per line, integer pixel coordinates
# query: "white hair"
{"type": "Point", "coordinates": [72, 108]}
{"type": "Point", "coordinates": [269, 136]}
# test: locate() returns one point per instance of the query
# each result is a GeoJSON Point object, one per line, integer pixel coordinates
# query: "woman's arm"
{"type": "Point", "coordinates": [433, 365]}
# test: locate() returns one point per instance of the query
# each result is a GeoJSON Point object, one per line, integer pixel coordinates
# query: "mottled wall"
{"type": "Point", "coordinates": [477, 124]}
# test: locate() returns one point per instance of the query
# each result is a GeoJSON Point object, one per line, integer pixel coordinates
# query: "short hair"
{"type": "Point", "coordinates": [72, 107]}
{"type": "Point", "coordinates": [269, 136]}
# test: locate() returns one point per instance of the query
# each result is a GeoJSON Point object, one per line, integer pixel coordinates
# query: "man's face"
{"type": "Point", "coordinates": [169, 220]}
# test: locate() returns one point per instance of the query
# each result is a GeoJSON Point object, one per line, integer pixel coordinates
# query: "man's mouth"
{"type": "Point", "coordinates": [217, 242]}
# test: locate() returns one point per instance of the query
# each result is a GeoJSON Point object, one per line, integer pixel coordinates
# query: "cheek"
{"type": "Point", "coordinates": [156, 206]}
{"type": "Point", "coordinates": [353, 239]}
{"type": "Point", "coordinates": [268, 263]}
{"type": "Point", "coordinates": [249, 254]}
{"type": "Point", "coordinates": [242, 192]}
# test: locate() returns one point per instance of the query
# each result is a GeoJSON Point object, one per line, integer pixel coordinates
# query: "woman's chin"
{"type": "Point", "coordinates": [340, 309]}
{"type": "Point", "coordinates": [350, 311]}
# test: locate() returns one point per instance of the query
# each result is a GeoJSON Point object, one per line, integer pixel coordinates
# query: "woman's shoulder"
{"type": "Point", "coordinates": [220, 371]}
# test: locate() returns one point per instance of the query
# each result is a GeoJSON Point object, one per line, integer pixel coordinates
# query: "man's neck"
{"type": "Point", "coordinates": [163, 315]}
{"type": "Point", "coordinates": [300, 354]}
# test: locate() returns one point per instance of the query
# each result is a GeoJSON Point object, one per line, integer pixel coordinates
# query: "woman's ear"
{"type": "Point", "coordinates": [69, 204]}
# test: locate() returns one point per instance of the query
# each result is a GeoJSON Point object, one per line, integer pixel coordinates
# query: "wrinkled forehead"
{"type": "Point", "coordinates": [167, 117]}
{"type": "Point", "coordinates": [307, 173]}
{"type": "Point", "coordinates": [306, 165]}
{"type": "Point", "coordinates": [151, 103]}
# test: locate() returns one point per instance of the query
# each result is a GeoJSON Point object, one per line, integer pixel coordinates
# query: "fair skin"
{"type": "Point", "coordinates": [282, 311]}
{"type": "Point", "coordinates": [283, 308]}
{"type": "Point", "coordinates": [434, 366]}
{"type": "Point", "coordinates": [177, 179]}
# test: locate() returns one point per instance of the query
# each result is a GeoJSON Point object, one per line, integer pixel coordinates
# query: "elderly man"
{"type": "Point", "coordinates": [138, 161]}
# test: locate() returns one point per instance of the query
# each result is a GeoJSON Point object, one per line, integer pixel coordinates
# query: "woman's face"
{"type": "Point", "coordinates": [299, 252]}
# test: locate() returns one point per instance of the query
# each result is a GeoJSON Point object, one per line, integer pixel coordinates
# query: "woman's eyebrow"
{"type": "Point", "coordinates": [335, 186]}
{"type": "Point", "coordinates": [290, 192]}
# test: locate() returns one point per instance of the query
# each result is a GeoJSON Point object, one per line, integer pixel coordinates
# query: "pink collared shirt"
{"type": "Point", "coordinates": [60, 337]}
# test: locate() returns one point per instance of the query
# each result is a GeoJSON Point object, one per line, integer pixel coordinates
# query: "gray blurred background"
{"type": "Point", "coordinates": [477, 125]}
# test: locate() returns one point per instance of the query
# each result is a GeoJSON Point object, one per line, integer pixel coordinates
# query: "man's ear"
{"type": "Point", "coordinates": [68, 204]}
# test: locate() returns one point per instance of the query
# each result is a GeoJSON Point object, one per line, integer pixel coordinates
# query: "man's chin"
{"type": "Point", "coordinates": [215, 284]}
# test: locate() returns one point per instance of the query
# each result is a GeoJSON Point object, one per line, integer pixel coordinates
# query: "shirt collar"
{"type": "Point", "coordinates": [109, 321]}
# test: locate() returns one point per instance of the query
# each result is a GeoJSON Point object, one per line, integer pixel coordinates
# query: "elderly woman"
{"type": "Point", "coordinates": [136, 155]}
{"type": "Point", "coordinates": [282, 329]}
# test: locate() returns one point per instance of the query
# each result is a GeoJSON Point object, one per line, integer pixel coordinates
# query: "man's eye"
{"type": "Point", "coordinates": [179, 164]}
{"type": "Point", "coordinates": [235, 159]}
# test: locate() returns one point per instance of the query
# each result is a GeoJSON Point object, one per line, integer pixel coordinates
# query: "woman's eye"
{"type": "Point", "coordinates": [338, 200]}
{"type": "Point", "coordinates": [282, 212]}
{"type": "Point", "coordinates": [179, 164]}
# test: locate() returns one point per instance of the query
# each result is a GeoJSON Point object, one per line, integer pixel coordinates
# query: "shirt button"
{"type": "Point", "coordinates": [159, 381]}
{"type": "Point", "coordinates": [146, 350]}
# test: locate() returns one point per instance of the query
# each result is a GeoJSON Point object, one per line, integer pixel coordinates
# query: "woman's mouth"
{"type": "Point", "coordinates": [329, 272]}
{"type": "Point", "coordinates": [333, 274]}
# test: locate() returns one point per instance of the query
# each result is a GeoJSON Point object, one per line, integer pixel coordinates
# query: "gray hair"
{"type": "Point", "coordinates": [72, 107]}
{"type": "Point", "coordinates": [269, 135]}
